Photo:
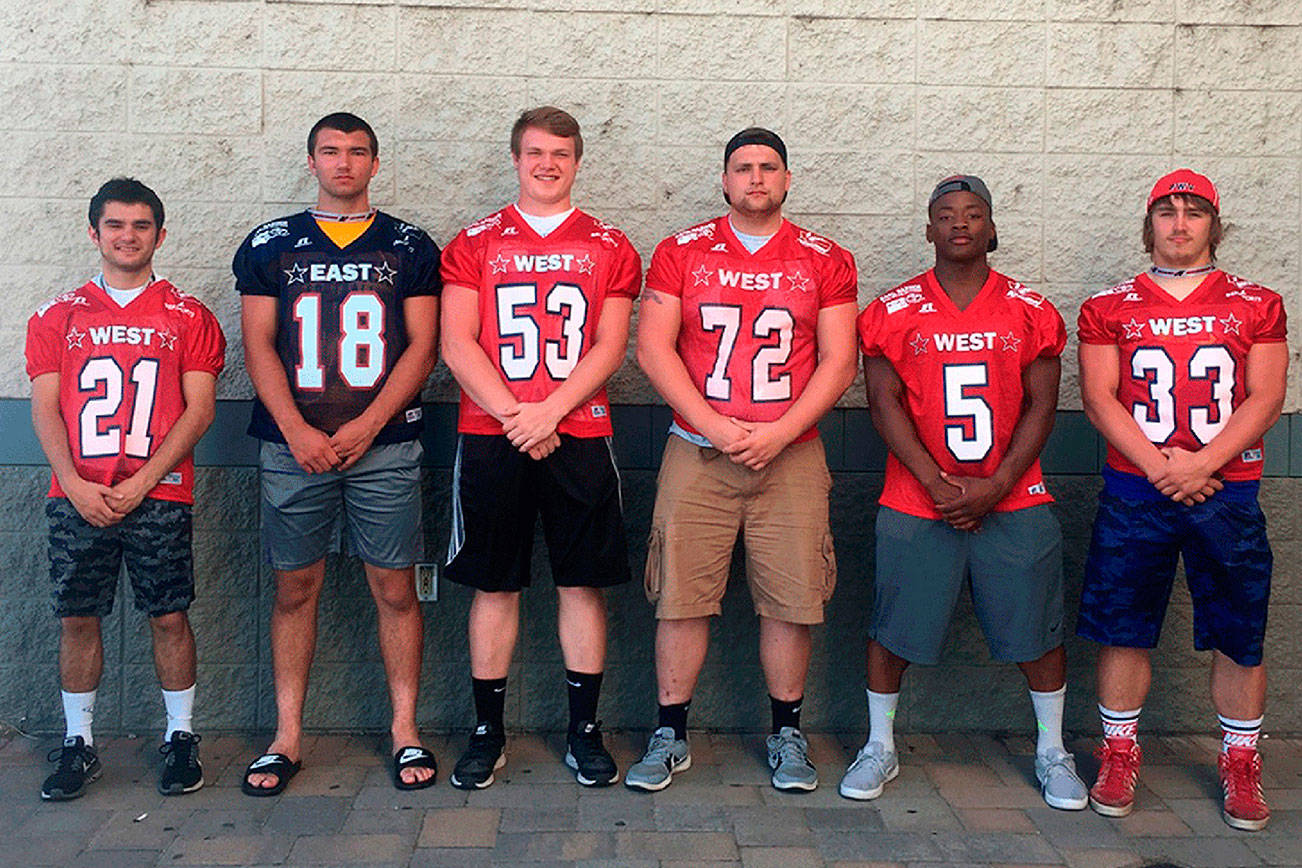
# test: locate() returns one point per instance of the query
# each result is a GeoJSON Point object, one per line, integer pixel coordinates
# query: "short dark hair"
{"type": "Point", "coordinates": [344, 122]}
{"type": "Point", "coordinates": [1217, 232]}
{"type": "Point", "coordinates": [550, 119]}
{"type": "Point", "coordinates": [128, 191]}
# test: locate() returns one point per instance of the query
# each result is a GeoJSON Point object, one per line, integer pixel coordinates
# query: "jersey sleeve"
{"type": "Point", "coordinates": [425, 278]}
{"type": "Point", "coordinates": [459, 263]}
{"type": "Point", "coordinates": [1091, 326]}
{"type": "Point", "coordinates": [43, 346]}
{"type": "Point", "coordinates": [626, 271]}
{"type": "Point", "coordinates": [666, 271]}
{"type": "Point", "coordinates": [1272, 324]}
{"type": "Point", "coordinates": [1050, 331]}
{"type": "Point", "coordinates": [252, 271]}
{"type": "Point", "coordinates": [205, 345]}
{"type": "Point", "coordinates": [870, 329]}
{"type": "Point", "coordinates": [840, 284]}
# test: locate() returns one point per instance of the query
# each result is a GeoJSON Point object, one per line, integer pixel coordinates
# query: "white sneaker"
{"type": "Point", "coordinates": [1062, 787]}
{"type": "Point", "coordinates": [867, 775]}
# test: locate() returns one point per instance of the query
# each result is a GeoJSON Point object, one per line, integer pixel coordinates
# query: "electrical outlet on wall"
{"type": "Point", "coordinates": [427, 582]}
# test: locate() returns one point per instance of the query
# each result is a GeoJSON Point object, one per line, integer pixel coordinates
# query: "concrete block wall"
{"type": "Point", "coordinates": [1068, 108]}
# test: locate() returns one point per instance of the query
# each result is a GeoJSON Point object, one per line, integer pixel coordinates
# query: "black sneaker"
{"type": "Point", "coordinates": [78, 765]}
{"type": "Point", "coordinates": [587, 755]}
{"type": "Point", "coordinates": [182, 772]}
{"type": "Point", "coordinates": [484, 755]}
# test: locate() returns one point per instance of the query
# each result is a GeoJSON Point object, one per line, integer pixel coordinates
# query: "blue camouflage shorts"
{"type": "Point", "coordinates": [1131, 567]}
{"type": "Point", "coordinates": [153, 541]}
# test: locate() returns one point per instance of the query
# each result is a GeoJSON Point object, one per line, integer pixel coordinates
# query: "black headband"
{"type": "Point", "coordinates": [755, 136]}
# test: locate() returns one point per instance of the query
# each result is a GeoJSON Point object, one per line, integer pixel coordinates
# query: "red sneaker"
{"type": "Point", "coordinates": [1245, 806]}
{"type": "Point", "coordinates": [1113, 794]}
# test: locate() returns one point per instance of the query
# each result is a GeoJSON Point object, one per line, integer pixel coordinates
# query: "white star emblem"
{"type": "Point", "coordinates": [1011, 342]}
{"type": "Point", "coordinates": [702, 275]}
{"type": "Point", "coordinates": [1231, 324]}
{"type": "Point", "coordinates": [799, 282]}
{"type": "Point", "coordinates": [1133, 329]}
{"type": "Point", "coordinates": [167, 340]}
{"type": "Point", "coordinates": [919, 344]}
{"type": "Point", "coordinates": [384, 272]}
{"type": "Point", "coordinates": [296, 274]}
{"type": "Point", "coordinates": [585, 264]}
{"type": "Point", "coordinates": [500, 264]}
{"type": "Point", "coordinates": [75, 338]}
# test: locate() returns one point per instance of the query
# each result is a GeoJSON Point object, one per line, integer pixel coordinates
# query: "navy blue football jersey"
{"type": "Point", "coordinates": [340, 314]}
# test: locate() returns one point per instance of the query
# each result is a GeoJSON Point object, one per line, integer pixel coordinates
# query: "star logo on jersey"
{"type": "Point", "coordinates": [75, 337]}
{"type": "Point", "coordinates": [167, 340]}
{"type": "Point", "coordinates": [799, 282]}
{"type": "Point", "coordinates": [585, 264]}
{"type": "Point", "coordinates": [1231, 324]}
{"type": "Point", "coordinates": [296, 274]}
{"type": "Point", "coordinates": [1011, 342]}
{"type": "Point", "coordinates": [919, 344]}
{"type": "Point", "coordinates": [500, 264]}
{"type": "Point", "coordinates": [1133, 329]}
{"type": "Point", "coordinates": [702, 276]}
{"type": "Point", "coordinates": [384, 273]}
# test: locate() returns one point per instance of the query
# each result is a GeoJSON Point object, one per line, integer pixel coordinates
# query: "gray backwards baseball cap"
{"type": "Point", "coordinates": [972, 184]}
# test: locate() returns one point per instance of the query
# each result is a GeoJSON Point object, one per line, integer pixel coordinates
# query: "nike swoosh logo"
{"type": "Point", "coordinates": [410, 754]}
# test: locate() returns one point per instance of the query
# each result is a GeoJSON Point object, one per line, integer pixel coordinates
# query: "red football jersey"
{"type": "Point", "coordinates": [1182, 362]}
{"type": "Point", "coordinates": [749, 333]}
{"type": "Point", "coordinates": [120, 376]}
{"type": "Point", "coordinates": [962, 375]}
{"type": "Point", "coordinates": [540, 299]}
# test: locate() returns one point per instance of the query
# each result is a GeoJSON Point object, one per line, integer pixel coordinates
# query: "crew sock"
{"type": "Point", "coordinates": [881, 718]}
{"type": "Point", "coordinates": [1239, 733]}
{"type": "Point", "coordinates": [1120, 724]}
{"type": "Point", "coordinates": [490, 701]}
{"type": "Point", "coordinates": [584, 689]}
{"type": "Point", "coordinates": [1048, 707]}
{"type": "Point", "coordinates": [78, 713]}
{"type": "Point", "coordinates": [180, 711]}
{"type": "Point", "coordinates": [785, 712]}
{"type": "Point", "coordinates": [675, 716]}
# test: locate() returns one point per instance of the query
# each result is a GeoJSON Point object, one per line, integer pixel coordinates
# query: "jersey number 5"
{"type": "Point", "coordinates": [104, 371]}
{"type": "Point", "coordinates": [1157, 417]}
{"type": "Point", "coordinates": [972, 411]}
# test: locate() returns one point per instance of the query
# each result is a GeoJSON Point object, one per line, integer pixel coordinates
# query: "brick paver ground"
{"type": "Point", "coordinates": [959, 800]}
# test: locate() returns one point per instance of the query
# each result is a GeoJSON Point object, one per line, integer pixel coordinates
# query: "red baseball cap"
{"type": "Point", "coordinates": [1188, 182]}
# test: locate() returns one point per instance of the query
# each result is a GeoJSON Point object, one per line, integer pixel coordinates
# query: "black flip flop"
{"type": "Point", "coordinates": [270, 764]}
{"type": "Point", "coordinates": [413, 757]}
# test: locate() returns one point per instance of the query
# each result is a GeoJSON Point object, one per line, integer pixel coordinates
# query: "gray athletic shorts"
{"type": "Point", "coordinates": [1015, 568]}
{"type": "Point", "coordinates": [377, 500]}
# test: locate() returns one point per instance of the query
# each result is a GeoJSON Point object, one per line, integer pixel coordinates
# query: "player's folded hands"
{"type": "Point", "coordinates": [90, 499]}
{"type": "Point", "coordinates": [532, 424]}
{"type": "Point", "coordinates": [313, 450]}
{"type": "Point", "coordinates": [762, 442]}
{"type": "Point", "coordinates": [352, 440]}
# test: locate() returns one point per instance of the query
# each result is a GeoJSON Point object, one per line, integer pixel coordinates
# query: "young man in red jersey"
{"type": "Point", "coordinates": [124, 373]}
{"type": "Point", "coordinates": [535, 320]}
{"type": "Point", "coordinates": [962, 369]}
{"type": "Point", "coordinates": [339, 308]}
{"type": "Point", "coordinates": [747, 331]}
{"type": "Point", "coordinates": [1183, 369]}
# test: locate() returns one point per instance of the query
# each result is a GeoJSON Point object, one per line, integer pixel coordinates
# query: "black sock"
{"type": "Point", "coordinates": [490, 701]}
{"type": "Point", "coordinates": [785, 713]}
{"type": "Point", "coordinates": [584, 689]}
{"type": "Point", "coordinates": [675, 716]}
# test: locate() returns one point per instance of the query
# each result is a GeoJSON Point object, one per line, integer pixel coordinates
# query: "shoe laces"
{"type": "Point", "coordinates": [180, 751]}
{"type": "Point", "coordinates": [70, 757]}
{"type": "Point", "coordinates": [791, 748]}
{"type": "Point", "coordinates": [659, 748]}
{"type": "Point", "coordinates": [1117, 764]}
{"type": "Point", "coordinates": [868, 757]}
{"type": "Point", "coordinates": [1243, 774]}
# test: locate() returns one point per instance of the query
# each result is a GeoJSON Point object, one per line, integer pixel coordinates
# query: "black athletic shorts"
{"type": "Point", "coordinates": [498, 493]}
{"type": "Point", "coordinates": [153, 540]}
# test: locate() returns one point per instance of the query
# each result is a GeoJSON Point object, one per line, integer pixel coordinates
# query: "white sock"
{"type": "Point", "coordinates": [180, 710]}
{"type": "Point", "coordinates": [1048, 718]}
{"type": "Point", "coordinates": [78, 713]}
{"type": "Point", "coordinates": [881, 718]}
{"type": "Point", "coordinates": [1239, 733]}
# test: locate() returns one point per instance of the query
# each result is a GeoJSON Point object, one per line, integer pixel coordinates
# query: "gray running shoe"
{"type": "Point", "coordinates": [789, 759]}
{"type": "Point", "coordinates": [868, 774]}
{"type": "Point", "coordinates": [664, 756]}
{"type": "Point", "coordinates": [1062, 787]}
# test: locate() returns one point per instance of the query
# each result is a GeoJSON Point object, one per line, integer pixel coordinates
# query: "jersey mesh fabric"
{"type": "Point", "coordinates": [962, 374]}
{"type": "Point", "coordinates": [341, 326]}
{"type": "Point", "coordinates": [1182, 363]}
{"type": "Point", "coordinates": [540, 299]}
{"type": "Point", "coordinates": [120, 374]}
{"type": "Point", "coordinates": [749, 333]}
